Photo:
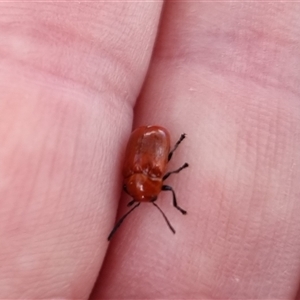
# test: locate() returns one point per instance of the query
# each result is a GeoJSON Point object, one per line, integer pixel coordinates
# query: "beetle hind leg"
{"type": "Point", "coordinates": [169, 188]}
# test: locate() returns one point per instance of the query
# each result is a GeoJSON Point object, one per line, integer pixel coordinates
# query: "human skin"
{"type": "Point", "coordinates": [76, 77]}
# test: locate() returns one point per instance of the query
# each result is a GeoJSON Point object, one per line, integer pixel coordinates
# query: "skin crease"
{"type": "Point", "coordinates": [227, 74]}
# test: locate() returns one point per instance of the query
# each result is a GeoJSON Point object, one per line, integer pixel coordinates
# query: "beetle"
{"type": "Point", "coordinates": [144, 170]}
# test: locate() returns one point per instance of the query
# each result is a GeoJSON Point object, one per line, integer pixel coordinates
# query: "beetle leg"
{"type": "Point", "coordinates": [169, 188]}
{"type": "Point", "coordinates": [125, 188]}
{"type": "Point", "coordinates": [176, 145]}
{"type": "Point", "coordinates": [166, 219]}
{"type": "Point", "coordinates": [121, 221]}
{"type": "Point", "coordinates": [176, 171]}
{"type": "Point", "coordinates": [131, 202]}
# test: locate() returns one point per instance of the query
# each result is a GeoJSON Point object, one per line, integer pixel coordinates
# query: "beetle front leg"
{"type": "Point", "coordinates": [169, 188]}
{"type": "Point", "coordinates": [176, 145]}
{"type": "Point", "coordinates": [131, 202]}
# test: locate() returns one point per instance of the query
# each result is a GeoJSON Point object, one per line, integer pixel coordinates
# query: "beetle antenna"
{"type": "Point", "coordinates": [166, 219]}
{"type": "Point", "coordinates": [121, 221]}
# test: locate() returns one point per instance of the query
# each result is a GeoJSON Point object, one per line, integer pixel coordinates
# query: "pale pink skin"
{"type": "Point", "coordinates": [226, 74]}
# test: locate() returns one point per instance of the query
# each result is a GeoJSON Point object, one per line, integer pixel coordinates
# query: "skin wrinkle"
{"type": "Point", "coordinates": [228, 202]}
{"type": "Point", "coordinates": [17, 209]}
{"type": "Point", "coordinates": [44, 239]}
{"type": "Point", "coordinates": [246, 228]}
{"type": "Point", "coordinates": [69, 186]}
{"type": "Point", "coordinates": [5, 131]}
{"type": "Point", "coordinates": [30, 189]}
{"type": "Point", "coordinates": [52, 163]}
{"type": "Point", "coordinates": [53, 69]}
{"type": "Point", "coordinates": [242, 43]}
{"type": "Point", "coordinates": [263, 211]}
{"type": "Point", "coordinates": [107, 83]}
{"type": "Point", "coordinates": [29, 205]}
{"type": "Point", "coordinates": [210, 214]}
{"type": "Point", "coordinates": [229, 245]}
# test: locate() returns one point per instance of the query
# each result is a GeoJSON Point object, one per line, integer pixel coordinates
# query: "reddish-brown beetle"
{"type": "Point", "coordinates": [147, 155]}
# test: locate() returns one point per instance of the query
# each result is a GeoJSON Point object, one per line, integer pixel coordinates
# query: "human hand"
{"type": "Point", "coordinates": [224, 73]}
